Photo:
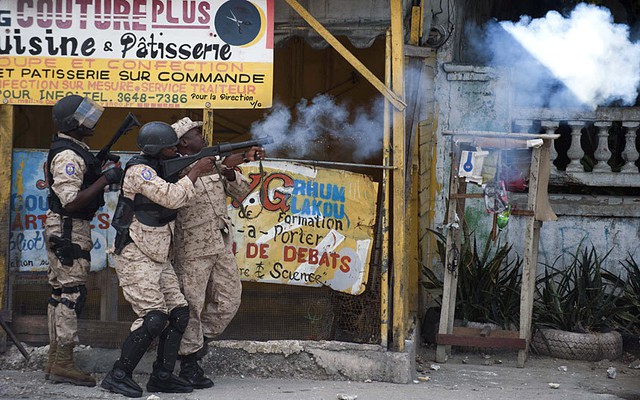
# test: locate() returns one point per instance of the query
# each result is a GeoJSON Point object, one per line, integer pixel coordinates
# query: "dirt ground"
{"type": "Point", "coordinates": [466, 375]}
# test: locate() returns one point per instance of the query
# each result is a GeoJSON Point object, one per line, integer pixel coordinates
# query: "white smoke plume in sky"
{"type": "Point", "coordinates": [324, 129]}
{"type": "Point", "coordinates": [592, 59]}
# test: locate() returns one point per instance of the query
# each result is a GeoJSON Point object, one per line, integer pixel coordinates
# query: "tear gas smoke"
{"type": "Point", "coordinates": [323, 129]}
{"type": "Point", "coordinates": [581, 60]}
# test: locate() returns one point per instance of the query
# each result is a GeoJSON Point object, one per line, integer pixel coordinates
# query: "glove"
{"type": "Point", "coordinates": [113, 175]}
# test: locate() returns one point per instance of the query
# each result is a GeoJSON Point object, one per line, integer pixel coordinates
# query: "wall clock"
{"type": "Point", "coordinates": [239, 22]}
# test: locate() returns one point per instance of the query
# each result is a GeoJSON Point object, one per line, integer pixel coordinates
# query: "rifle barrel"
{"type": "Point", "coordinates": [175, 165]}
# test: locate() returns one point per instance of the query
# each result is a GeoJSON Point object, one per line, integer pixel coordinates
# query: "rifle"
{"type": "Point", "coordinates": [104, 154]}
{"type": "Point", "coordinates": [174, 165]}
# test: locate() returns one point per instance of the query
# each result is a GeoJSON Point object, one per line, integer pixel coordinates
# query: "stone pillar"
{"type": "Point", "coordinates": [575, 152]}
{"type": "Point", "coordinates": [630, 153]}
{"type": "Point", "coordinates": [602, 153]}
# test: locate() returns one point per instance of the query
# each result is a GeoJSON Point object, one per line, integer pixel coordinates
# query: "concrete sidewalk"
{"type": "Point", "coordinates": [238, 375]}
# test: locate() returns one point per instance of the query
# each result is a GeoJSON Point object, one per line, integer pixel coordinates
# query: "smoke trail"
{"type": "Point", "coordinates": [323, 129]}
{"type": "Point", "coordinates": [583, 59]}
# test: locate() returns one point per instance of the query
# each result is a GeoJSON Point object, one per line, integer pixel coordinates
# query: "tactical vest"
{"type": "Point", "coordinates": [91, 175]}
{"type": "Point", "coordinates": [147, 212]}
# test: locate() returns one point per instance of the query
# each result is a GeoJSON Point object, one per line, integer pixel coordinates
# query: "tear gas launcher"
{"type": "Point", "coordinates": [175, 165]}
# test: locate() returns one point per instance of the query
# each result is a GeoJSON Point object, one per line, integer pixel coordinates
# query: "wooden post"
{"type": "Point", "coordinates": [452, 259]}
{"type": "Point", "coordinates": [207, 127]}
{"type": "Point", "coordinates": [6, 153]}
{"type": "Point", "coordinates": [532, 239]}
{"type": "Point", "coordinates": [384, 186]}
{"type": "Point", "coordinates": [400, 287]}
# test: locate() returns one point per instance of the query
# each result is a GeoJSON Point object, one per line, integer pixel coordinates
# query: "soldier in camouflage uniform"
{"type": "Point", "coordinates": [203, 257]}
{"type": "Point", "coordinates": [76, 192]}
{"type": "Point", "coordinates": [144, 222]}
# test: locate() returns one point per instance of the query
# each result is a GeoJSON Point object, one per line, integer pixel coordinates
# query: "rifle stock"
{"type": "Point", "coordinates": [175, 165]}
{"type": "Point", "coordinates": [127, 124]}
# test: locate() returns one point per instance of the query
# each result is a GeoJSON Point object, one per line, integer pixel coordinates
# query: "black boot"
{"type": "Point", "coordinates": [164, 381]}
{"type": "Point", "coordinates": [119, 379]}
{"type": "Point", "coordinates": [193, 373]}
{"type": "Point", "coordinates": [162, 378]}
{"type": "Point", "coordinates": [121, 382]}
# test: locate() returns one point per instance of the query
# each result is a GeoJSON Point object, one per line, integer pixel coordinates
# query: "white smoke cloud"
{"type": "Point", "coordinates": [592, 57]}
{"type": "Point", "coordinates": [324, 129]}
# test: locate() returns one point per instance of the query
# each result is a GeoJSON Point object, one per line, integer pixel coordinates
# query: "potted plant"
{"type": "Point", "coordinates": [575, 309]}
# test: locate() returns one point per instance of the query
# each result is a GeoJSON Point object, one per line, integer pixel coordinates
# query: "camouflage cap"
{"type": "Point", "coordinates": [185, 125]}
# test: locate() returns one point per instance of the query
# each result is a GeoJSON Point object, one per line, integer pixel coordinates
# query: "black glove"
{"type": "Point", "coordinates": [113, 175]}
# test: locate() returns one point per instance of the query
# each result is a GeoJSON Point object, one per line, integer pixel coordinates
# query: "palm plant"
{"type": "Point", "coordinates": [489, 281]}
{"type": "Point", "coordinates": [579, 297]}
{"type": "Point", "coordinates": [628, 319]}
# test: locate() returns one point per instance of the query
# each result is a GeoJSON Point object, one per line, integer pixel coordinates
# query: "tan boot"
{"type": "Point", "coordinates": [50, 360]}
{"type": "Point", "coordinates": [64, 369]}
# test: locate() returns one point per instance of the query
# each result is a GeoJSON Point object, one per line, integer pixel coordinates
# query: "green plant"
{"type": "Point", "coordinates": [628, 319]}
{"type": "Point", "coordinates": [489, 281]}
{"type": "Point", "coordinates": [578, 297]}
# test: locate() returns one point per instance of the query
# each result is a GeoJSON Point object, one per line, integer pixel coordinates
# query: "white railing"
{"type": "Point", "coordinates": [595, 148]}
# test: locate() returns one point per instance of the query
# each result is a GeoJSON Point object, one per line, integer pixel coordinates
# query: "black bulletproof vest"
{"type": "Point", "coordinates": [146, 211]}
{"type": "Point", "coordinates": [90, 176]}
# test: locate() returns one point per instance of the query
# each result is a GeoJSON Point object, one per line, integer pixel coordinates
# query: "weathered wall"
{"type": "Point", "coordinates": [476, 98]}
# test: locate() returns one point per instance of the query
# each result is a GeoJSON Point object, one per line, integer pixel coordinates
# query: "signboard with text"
{"type": "Point", "coordinates": [306, 226]}
{"type": "Point", "coordinates": [138, 53]}
{"type": "Point", "coordinates": [298, 225]}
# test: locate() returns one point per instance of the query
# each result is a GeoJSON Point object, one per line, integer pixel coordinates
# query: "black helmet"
{"type": "Point", "coordinates": [72, 112]}
{"type": "Point", "coordinates": [155, 136]}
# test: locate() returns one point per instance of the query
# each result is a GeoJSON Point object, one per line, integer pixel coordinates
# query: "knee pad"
{"type": "Point", "coordinates": [155, 322]}
{"type": "Point", "coordinates": [179, 318]}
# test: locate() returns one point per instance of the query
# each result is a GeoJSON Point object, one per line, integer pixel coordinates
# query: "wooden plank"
{"type": "Point", "coordinates": [529, 270]}
{"type": "Point", "coordinates": [6, 153]}
{"type": "Point", "coordinates": [479, 341]}
{"type": "Point", "coordinates": [385, 304]}
{"type": "Point", "coordinates": [108, 334]}
{"type": "Point", "coordinates": [400, 273]}
{"type": "Point", "coordinates": [450, 285]}
{"type": "Point", "coordinates": [393, 98]}
{"type": "Point", "coordinates": [207, 126]}
{"type": "Point", "coordinates": [525, 213]}
{"type": "Point", "coordinates": [414, 28]}
{"type": "Point", "coordinates": [417, 52]}
{"type": "Point", "coordinates": [501, 333]}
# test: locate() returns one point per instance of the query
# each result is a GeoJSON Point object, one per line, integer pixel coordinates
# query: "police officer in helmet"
{"type": "Point", "coordinates": [76, 192]}
{"type": "Point", "coordinates": [144, 220]}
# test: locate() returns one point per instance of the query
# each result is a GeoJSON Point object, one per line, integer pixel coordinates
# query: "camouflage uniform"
{"type": "Point", "coordinates": [67, 169]}
{"type": "Point", "coordinates": [147, 278]}
{"type": "Point", "coordinates": [204, 260]}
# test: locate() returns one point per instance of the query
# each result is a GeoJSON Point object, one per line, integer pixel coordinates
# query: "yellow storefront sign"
{"type": "Point", "coordinates": [140, 54]}
{"type": "Point", "coordinates": [303, 225]}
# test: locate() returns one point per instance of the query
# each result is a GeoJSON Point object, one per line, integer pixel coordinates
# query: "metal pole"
{"type": "Point", "coordinates": [334, 163]}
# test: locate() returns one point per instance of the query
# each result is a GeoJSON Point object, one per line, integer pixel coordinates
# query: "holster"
{"type": "Point", "coordinates": [122, 217]}
{"type": "Point", "coordinates": [67, 251]}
